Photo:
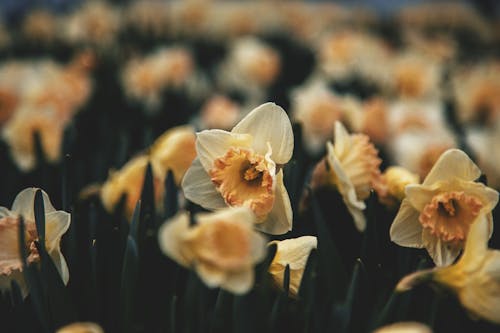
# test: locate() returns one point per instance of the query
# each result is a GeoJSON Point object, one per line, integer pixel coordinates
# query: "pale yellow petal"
{"type": "Point", "coordinates": [212, 144]}
{"type": "Point", "coordinates": [419, 196]}
{"type": "Point", "coordinates": [481, 295]}
{"type": "Point", "coordinates": [210, 275]}
{"type": "Point", "coordinates": [453, 163]}
{"type": "Point", "coordinates": [294, 252]}
{"type": "Point", "coordinates": [236, 214]}
{"type": "Point", "coordinates": [56, 225]}
{"type": "Point", "coordinates": [171, 235]}
{"type": "Point", "coordinates": [198, 187]}
{"type": "Point", "coordinates": [279, 220]}
{"type": "Point", "coordinates": [476, 244]}
{"type": "Point", "coordinates": [406, 230]}
{"type": "Point", "coordinates": [442, 254]}
{"type": "Point", "coordinates": [239, 282]}
{"type": "Point", "coordinates": [25, 200]}
{"type": "Point", "coordinates": [269, 123]}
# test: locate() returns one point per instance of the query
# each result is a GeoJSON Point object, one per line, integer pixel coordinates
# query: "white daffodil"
{"type": "Point", "coordinates": [474, 279]}
{"type": "Point", "coordinates": [243, 168]}
{"type": "Point", "coordinates": [56, 224]}
{"type": "Point", "coordinates": [438, 213]}
{"type": "Point", "coordinates": [294, 253]}
{"type": "Point", "coordinates": [353, 167]}
{"type": "Point", "coordinates": [222, 247]}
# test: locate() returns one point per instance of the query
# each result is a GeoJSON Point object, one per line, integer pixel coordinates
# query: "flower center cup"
{"type": "Point", "coordinates": [449, 216]}
{"type": "Point", "coordinates": [244, 178]}
{"type": "Point", "coordinates": [223, 244]}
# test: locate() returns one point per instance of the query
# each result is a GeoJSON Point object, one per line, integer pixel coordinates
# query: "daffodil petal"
{"type": "Point", "coordinates": [342, 138]}
{"type": "Point", "coordinates": [212, 144]}
{"type": "Point", "coordinates": [476, 244]}
{"type": "Point", "coordinates": [61, 265]}
{"type": "Point", "coordinates": [269, 123]}
{"type": "Point", "coordinates": [210, 275]}
{"type": "Point", "coordinates": [239, 283]}
{"type": "Point", "coordinates": [279, 219]}
{"type": "Point", "coordinates": [24, 201]}
{"type": "Point", "coordinates": [481, 296]}
{"type": "Point", "coordinates": [406, 230]}
{"type": "Point", "coordinates": [169, 237]}
{"type": "Point", "coordinates": [453, 163]}
{"type": "Point", "coordinates": [56, 225]}
{"type": "Point", "coordinates": [419, 196]}
{"type": "Point", "coordinates": [294, 252]}
{"type": "Point", "coordinates": [441, 253]}
{"type": "Point", "coordinates": [198, 187]}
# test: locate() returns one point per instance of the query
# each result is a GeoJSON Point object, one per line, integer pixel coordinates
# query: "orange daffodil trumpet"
{"type": "Point", "coordinates": [56, 224]}
{"type": "Point", "coordinates": [438, 213]}
{"type": "Point", "coordinates": [243, 168]}
{"type": "Point", "coordinates": [222, 247]}
{"type": "Point", "coordinates": [352, 166]}
{"type": "Point", "coordinates": [474, 279]}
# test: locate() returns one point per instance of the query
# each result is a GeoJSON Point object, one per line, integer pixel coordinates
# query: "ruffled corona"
{"type": "Point", "coordinates": [448, 216]}
{"type": "Point", "coordinates": [245, 179]}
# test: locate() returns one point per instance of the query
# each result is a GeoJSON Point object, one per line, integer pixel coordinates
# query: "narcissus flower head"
{"type": "Point", "coordinates": [56, 224]}
{"type": "Point", "coordinates": [222, 247]}
{"type": "Point", "coordinates": [474, 279]}
{"type": "Point", "coordinates": [294, 253]}
{"type": "Point", "coordinates": [243, 168]}
{"type": "Point", "coordinates": [352, 166]}
{"type": "Point", "coordinates": [438, 213]}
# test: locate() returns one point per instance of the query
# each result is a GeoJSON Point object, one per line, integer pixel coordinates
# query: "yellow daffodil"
{"type": "Point", "coordinates": [174, 150]}
{"type": "Point", "coordinates": [353, 167]}
{"type": "Point", "coordinates": [56, 224]}
{"type": "Point", "coordinates": [294, 253]}
{"type": "Point", "coordinates": [222, 247]}
{"type": "Point", "coordinates": [396, 178]}
{"type": "Point", "coordinates": [129, 180]}
{"type": "Point", "coordinates": [437, 214]}
{"type": "Point", "coordinates": [243, 168]}
{"type": "Point", "coordinates": [474, 279]}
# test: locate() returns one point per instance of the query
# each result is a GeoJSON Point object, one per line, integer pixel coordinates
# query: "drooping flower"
{"type": "Point", "coordinates": [243, 168]}
{"type": "Point", "coordinates": [474, 279]}
{"type": "Point", "coordinates": [222, 247]}
{"type": "Point", "coordinates": [294, 253]}
{"type": "Point", "coordinates": [56, 224]}
{"type": "Point", "coordinates": [438, 213]}
{"type": "Point", "coordinates": [352, 166]}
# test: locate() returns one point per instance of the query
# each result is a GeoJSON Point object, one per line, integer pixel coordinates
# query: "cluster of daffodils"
{"type": "Point", "coordinates": [239, 175]}
{"type": "Point", "coordinates": [41, 98]}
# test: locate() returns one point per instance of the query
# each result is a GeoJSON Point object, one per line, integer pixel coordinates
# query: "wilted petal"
{"type": "Point", "coordinates": [406, 230]}
{"type": "Point", "coordinates": [269, 123]}
{"type": "Point", "coordinates": [452, 164]}
{"type": "Point", "coordinates": [199, 188]}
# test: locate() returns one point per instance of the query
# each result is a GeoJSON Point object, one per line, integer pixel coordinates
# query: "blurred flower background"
{"type": "Point", "coordinates": [243, 166]}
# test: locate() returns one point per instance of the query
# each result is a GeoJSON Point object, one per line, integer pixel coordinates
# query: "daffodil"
{"type": "Point", "coordinates": [222, 247]}
{"type": "Point", "coordinates": [352, 166]}
{"type": "Point", "coordinates": [438, 213]}
{"type": "Point", "coordinates": [474, 279]}
{"type": "Point", "coordinates": [396, 178]}
{"type": "Point", "coordinates": [244, 168]}
{"type": "Point", "coordinates": [56, 224]}
{"type": "Point", "coordinates": [129, 181]}
{"type": "Point", "coordinates": [404, 327]}
{"type": "Point", "coordinates": [294, 253]}
{"type": "Point", "coordinates": [81, 327]}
